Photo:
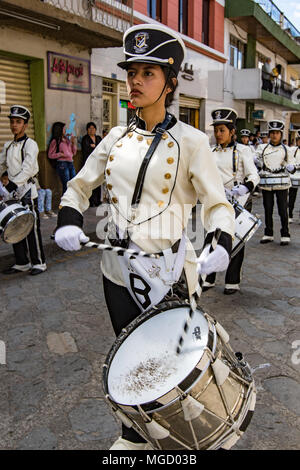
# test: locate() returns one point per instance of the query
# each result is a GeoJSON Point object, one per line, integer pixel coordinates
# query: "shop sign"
{"type": "Point", "coordinates": [258, 114]}
{"type": "Point", "coordinates": [68, 73]}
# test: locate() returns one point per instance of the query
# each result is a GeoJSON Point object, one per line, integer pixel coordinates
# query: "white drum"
{"type": "Point", "coordinates": [16, 221]}
{"type": "Point", "coordinates": [202, 398]}
{"type": "Point", "coordinates": [272, 181]}
{"type": "Point", "coordinates": [295, 179]}
{"type": "Point", "coordinates": [246, 225]}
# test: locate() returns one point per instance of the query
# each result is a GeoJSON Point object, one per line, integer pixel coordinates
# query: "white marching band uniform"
{"type": "Point", "coordinates": [19, 158]}
{"type": "Point", "coordinates": [181, 171]}
{"type": "Point", "coordinates": [294, 189]}
{"type": "Point", "coordinates": [245, 169]}
{"type": "Point", "coordinates": [274, 161]}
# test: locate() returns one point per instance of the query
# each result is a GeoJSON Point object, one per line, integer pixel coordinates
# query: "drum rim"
{"type": "Point", "coordinates": [14, 217]}
{"type": "Point", "coordinates": [149, 407]}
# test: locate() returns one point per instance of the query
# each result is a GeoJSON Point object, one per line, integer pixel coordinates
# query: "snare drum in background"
{"type": "Point", "coordinates": [246, 225]}
{"type": "Point", "coordinates": [16, 221]}
{"type": "Point", "coordinates": [202, 398]}
{"type": "Point", "coordinates": [295, 179]}
{"type": "Point", "coordinates": [271, 181]}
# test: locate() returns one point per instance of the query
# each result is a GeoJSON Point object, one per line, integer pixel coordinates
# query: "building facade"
{"type": "Point", "coordinates": [254, 32]}
{"type": "Point", "coordinates": [45, 64]}
{"type": "Point", "coordinates": [201, 25]}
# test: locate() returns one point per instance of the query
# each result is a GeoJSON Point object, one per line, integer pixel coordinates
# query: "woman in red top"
{"type": "Point", "coordinates": [62, 149]}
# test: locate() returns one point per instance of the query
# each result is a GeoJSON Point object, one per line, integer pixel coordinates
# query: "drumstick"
{"type": "Point", "coordinates": [119, 250]}
{"type": "Point", "coordinates": [187, 322]}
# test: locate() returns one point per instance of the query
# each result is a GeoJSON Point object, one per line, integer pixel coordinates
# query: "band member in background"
{"type": "Point", "coordinates": [149, 204]}
{"type": "Point", "coordinates": [245, 135]}
{"type": "Point", "coordinates": [239, 176]}
{"type": "Point", "coordinates": [275, 157]}
{"type": "Point", "coordinates": [293, 189]}
{"type": "Point", "coordinates": [19, 160]}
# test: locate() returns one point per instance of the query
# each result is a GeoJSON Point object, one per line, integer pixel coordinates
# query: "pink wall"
{"type": "Point", "coordinates": [170, 18]}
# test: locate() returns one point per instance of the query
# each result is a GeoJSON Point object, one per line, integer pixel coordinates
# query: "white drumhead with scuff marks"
{"type": "Point", "coordinates": [146, 365]}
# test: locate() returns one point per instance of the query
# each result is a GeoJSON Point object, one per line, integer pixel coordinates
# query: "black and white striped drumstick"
{"type": "Point", "coordinates": [119, 250]}
{"type": "Point", "coordinates": [187, 322]}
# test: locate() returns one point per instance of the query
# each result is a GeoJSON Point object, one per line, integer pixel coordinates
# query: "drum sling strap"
{"type": "Point", "coordinates": [137, 194]}
{"type": "Point", "coordinates": [234, 162]}
{"type": "Point", "coordinates": [30, 180]}
{"type": "Point", "coordinates": [142, 171]}
{"type": "Point", "coordinates": [265, 168]}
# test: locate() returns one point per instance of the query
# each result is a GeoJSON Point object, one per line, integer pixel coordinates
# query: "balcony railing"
{"type": "Point", "coordinates": [115, 14]}
{"type": "Point", "coordinates": [277, 86]}
{"type": "Point", "coordinates": [273, 11]}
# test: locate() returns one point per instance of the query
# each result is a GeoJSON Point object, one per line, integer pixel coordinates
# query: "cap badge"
{"type": "Point", "coordinates": [218, 114]}
{"type": "Point", "coordinates": [141, 42]}
{"type": "Point", "coordinates": [275, 124]}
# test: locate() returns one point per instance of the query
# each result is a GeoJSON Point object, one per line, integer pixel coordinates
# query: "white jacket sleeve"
{"type": "Point", "coordinates": [250, 170]}
{"type": "Point", "coordinates": [217, 212]}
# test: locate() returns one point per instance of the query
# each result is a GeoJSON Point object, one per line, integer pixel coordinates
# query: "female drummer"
{"type": "Point", "coordinates": [240, 176]}
{"type": "Point", "coordinates": [293, 189]}
{"type": "Point", "coordinates": [155, 170]}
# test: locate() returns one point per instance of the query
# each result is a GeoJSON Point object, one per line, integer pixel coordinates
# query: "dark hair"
{"type": "Point", "coordinates": [169, 75]}
{"type": "Point", "coordinates": [89, 124]}
{"type": "Point", "coordinates": [56, 134]}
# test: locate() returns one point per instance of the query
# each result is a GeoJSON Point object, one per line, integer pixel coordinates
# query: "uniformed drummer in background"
{"type": "Point", "coordinates": [245, 137]}
{"type": "Point", "coordinates": [239, 176]}
{"type": "Point", "coordinates": [276, 159]}
{"type": "Point", "coordinates": [294, 189]}
{"type": "Point", "coordinates": [19, 162]}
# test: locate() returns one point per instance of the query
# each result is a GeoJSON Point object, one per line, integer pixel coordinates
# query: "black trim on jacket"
{"type": "Point", "coordinates": [69, 216]}
{"type": "Point", "coordinates": [225, 240]}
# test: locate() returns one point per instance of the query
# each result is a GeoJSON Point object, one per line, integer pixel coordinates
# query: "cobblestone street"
{"type": "Point", "coordinates": [57, 334]}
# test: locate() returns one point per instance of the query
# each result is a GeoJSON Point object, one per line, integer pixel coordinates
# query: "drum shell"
{"type": "Point", "coordinates": [207, 427]}
{"type": "Point", "coordinates": [16, 221]}
{"type": "Point", "coordinates": [211, 431]}
{"type": "Point", "coordinates": [246, 225]}
{"type": "Point", "coordinates": [272, 181]}
{"type": "Point", "coordinates": [295, 179]}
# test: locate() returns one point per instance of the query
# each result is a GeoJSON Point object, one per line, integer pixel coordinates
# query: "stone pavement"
{"type": "Point", "coordinates": [57, 334]}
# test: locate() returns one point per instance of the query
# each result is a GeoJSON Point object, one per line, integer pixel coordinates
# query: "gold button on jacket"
{"type": "Point", "coordinates": [160, 216]}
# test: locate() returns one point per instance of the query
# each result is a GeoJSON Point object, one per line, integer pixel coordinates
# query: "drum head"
{"type": "Point", "coordinates": [18, 227]}
{"type": "Point", "coordinates": [146, 366]}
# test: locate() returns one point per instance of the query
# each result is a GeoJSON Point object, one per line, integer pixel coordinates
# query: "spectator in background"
{"type": "Point", "coordinates": [62, 148]}
{"type": "Point", "coordinates": [44, 201]}
{"type": "Point", "coordinates": [88, 144]}
{"type": "Point", "coordinates": [267, 76]}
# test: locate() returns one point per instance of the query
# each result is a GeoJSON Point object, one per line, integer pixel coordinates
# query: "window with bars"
{"type": "Point", "coordinates": [237, 51]}
{"type": "Point", "coordinates": [107, 86]}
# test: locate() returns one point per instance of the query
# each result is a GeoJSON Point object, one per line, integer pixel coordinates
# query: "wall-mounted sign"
{"type": "Point", "coordinates": [68, 73]}
{"type": "Point", "coordinates": [258, 114]}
